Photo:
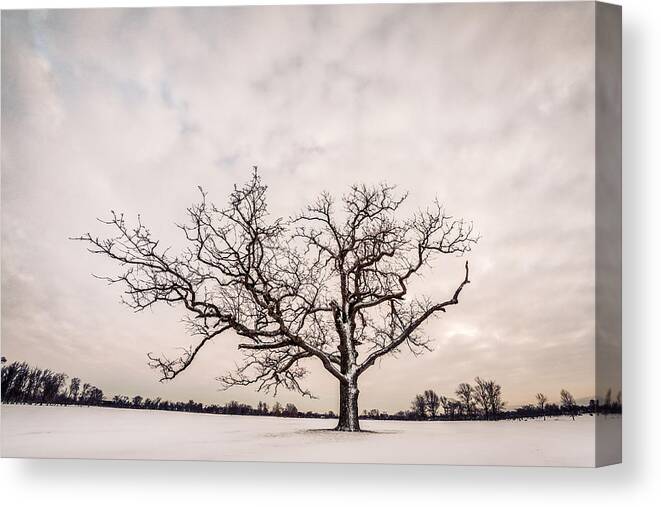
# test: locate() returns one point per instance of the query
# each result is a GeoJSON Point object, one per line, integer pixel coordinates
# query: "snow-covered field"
{"type": "Point", "coordinates": [84, 432]}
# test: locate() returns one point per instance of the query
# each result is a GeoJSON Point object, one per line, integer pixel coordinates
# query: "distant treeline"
{"type": "Point", "coordinates": [484, 401]}
{"type": "Point", "coordinates": [23, 384]}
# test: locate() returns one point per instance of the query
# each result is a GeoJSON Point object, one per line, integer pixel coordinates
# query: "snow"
{"type": "Point", "coordinates": [86, 432]}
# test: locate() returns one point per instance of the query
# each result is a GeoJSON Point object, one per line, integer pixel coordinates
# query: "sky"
{"type": "Point", "coordinates": [489, 107]}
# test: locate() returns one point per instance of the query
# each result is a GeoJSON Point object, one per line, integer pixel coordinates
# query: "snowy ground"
{"type": "Point", "coordinates": [84, 432]}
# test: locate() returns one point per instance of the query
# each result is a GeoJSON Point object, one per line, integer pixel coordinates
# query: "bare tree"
{"type": "Point", "coordinates": [443, 402]}
{"type": "Point", "coordinates": [419, 406]}
{"type": "Point", "coordinates": [488, 395]}
{"type": "Point", "coordinates": [374, 413]}
{"type": "Point", "coordinates": [541, 403]}
{"type": "Point", "coordinates": [52, 384]}
{"type": "Point", "coordinates": [262, 408]}
{"type": "Point", "coordinates": [481, 396]}
{"type": "Point", "coordinates": [121, 400]}
{"type": "Point", "coordinates": [567, 402]}
{"type": "Point", "coordinates": [466, 399]}
{"type": "Point", "coordinates": [74, 388]}
{"type": "Point", "coordinates": [496, 403]}
{"type": "Point", "coordinates": [432, 402]}
{"type": "Point", "coordinates": [449, 406]}
{"type": "Point", "coordinates": [330, 284]}
{"type": "Point", "coordinates": [290, 410]}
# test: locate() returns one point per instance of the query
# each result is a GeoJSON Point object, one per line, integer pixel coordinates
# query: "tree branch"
{"type": "Point", "coordinates": [370, 360]}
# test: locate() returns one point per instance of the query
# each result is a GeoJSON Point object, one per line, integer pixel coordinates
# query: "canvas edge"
{"type": "Point", "coordinates": [608, 225]}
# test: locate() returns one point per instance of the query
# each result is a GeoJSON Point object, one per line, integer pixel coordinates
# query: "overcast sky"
{"type": "Point", "coordinates": [489, 107]}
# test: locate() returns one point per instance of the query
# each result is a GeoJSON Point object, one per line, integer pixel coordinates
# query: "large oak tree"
{"type": "Point", "coordinates": [330, 284]}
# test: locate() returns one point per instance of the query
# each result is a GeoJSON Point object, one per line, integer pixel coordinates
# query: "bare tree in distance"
{"type": "Point", "coordinates": [481, 396]}
{"type": "Point", "coordinates": [330, 284]}
{"type": "Point", "coordinates": [466, 398]}
{"type": "Point", "coordinates": [448, 405]}
{"type": "Point", "coordinates": [74, 389]}
{"type": "Point", "coordinates": [496, 403]}
{"type": "Point", "coordinates": [541, 403]}
{"type": "Point", "coordinates": [419, 406]}
{"type": "Point", "coordinates": [488, 394]}
{"type": "Point", "coordinates": [568, 403]}
{"type": "Point", "coordinates": [277, 409]}
{"type": "Point", "coordinates": [432, 402]}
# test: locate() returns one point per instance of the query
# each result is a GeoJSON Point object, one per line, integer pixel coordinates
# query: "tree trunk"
{"type": "Point", "coordinates": [348, 407]}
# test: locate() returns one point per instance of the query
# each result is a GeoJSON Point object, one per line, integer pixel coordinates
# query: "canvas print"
{"type": "Point", "coordinates": [341, 233]}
